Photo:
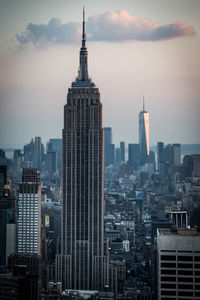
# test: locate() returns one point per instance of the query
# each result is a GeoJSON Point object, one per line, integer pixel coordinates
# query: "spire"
{"type": "Point", "coordinates": [83, 79]}
{"type": "Point", "coordinates": [143, 104]}
{"type": "Point", "coordinates": [83, 29]}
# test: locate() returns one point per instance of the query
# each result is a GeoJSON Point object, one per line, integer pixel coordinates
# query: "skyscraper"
{"type": "Point", "coordinates": [108, 148]}
{"type": "Point", "coordinates": [83, 261]}
{"type": "Point", "coordinates": [178, 264]}
{"type": "Point", "coordinates": [122, 148]}
{"type": "Point", "coordinates": [143, 134]}
{"type": "Point", "coordinates": [29, 213]}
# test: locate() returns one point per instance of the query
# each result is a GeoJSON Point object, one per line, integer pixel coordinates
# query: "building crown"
{"type": "Point", "coordinates": [83, 80]}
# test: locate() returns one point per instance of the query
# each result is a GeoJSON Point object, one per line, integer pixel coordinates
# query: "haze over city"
{"type": "Point", "coordinates": [136, 48]}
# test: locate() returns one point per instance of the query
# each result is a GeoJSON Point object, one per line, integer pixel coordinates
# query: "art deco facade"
{"type": "Point", "coordinates": [143, 135]}
{"type": "Point", "coordinates": [82, 263]}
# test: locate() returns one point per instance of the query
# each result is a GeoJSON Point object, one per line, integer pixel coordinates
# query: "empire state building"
{"type": "Point", "coordinates": [83, 261]}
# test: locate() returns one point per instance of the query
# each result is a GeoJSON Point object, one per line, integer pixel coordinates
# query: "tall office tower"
{"type": "Point", "coordinates": [29, 213]}
{"type": "Point", "coordinates": [160, 154]}
{"type": "Point", "coordinates": [52, 161]}
{"type": "Point", "coordinates": [29, 152]}
{"type": "Point", "coordinates": [122, 148]}
{"type": "Point", "coordinates": [168, 154]}
{"type": "Point", "coordinates": [118, 155]}
{"type": "Point", "coordinates": [38, 153]}
{"type": "Point", "coordinates": [176, 154]}
{"type": "Point", "coordinates": [178, 264]}
{"type": "Point", "coordinates": [143, 134]}
{"type": "Point", "coordinates": [107, 146]}
{"type": "Point", "coordinates": [83, 263]}
{"type": "Point", "coordinates": [134, 155]}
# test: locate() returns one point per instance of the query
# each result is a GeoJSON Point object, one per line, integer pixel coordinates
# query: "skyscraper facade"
{"type": "Point", "coordinates": [29, 213]}
{"type": "Point", "coordinates": [83, 261]}
{"type": "Point", "coordinates": [143, 134]}
{"type": "Point", "coordinates": [178, 264]}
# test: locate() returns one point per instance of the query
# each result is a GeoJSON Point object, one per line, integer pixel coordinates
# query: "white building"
{"type": "Point", "coordinates": [29, 213]}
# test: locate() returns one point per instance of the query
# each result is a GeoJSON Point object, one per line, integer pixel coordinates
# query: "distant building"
{"type": "Point", "coordinates": [38, 153]}
{"type": "Point", "coordinates": [143, 135]}
{"type": "Point", "coordinates": [122, 149]}
{"type": "Point", "coordinates": [180, 218]}
{"type": "Point", "coordinates": [134, 155]}
{"type": "Point", "coordinates": [176, 154]}
{"type": "Point", "coordinates": [29, 213]}
{"type": "Point", "coordinates": [109, 152]}
{"type": "Point", "coordinates": [52, 161]}
{"type": "Point", "coordinates": [118, 155]}
{"type": "Point", "coordinates": [178, 264]}
{"type": "Point", "coordinates": [192, 162]}
{"type": "Point", "coordinates": [160, 154]}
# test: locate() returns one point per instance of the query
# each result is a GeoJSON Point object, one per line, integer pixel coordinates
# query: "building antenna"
{"type": "Point", "coordinates": [143, 104]}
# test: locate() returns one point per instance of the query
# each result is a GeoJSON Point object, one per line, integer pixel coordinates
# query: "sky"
{"type": "Point", "coordinates": [135, 48]}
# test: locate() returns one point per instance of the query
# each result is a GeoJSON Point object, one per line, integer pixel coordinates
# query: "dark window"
{"type": "Point", "coordinates": [185, 293]}
{"type": "Point", "coordinates": [168, 257]}
{"type": "Point", "coordinates": [168, 286]}
{"type": "Point", "coordinates": [197, 279]}
{"type": "Point", "coordinates": [197, 273]}
{"type": "Point", "coordinates": [185, 286]}
{"type": "Point", "coordinates": [168, 272]}
{"type": "Point", "coordinates": [168, 265]}
{"type": "Point", "coordinates": [185, 272]}
{"type": "Point", "coordinates": [168, 293]}
{"type": "Point", "coordinates": [168, 278]}
{"type": "Point", "coordinates": [185, 266]}
{"type": "Point", "coordinates": [185, 258]}
{"type": "Point", "coordinates": [185, 279]}
{"type": "Point", "coordinates": [197, 287]}
{"type": "Point", "coordinates": [197, 266]}
{"type": "Point", "coordinates": [197, 258]}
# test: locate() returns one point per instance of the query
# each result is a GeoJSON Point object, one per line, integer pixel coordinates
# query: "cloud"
{"type": "Point", "coordinates": [53, 33]}
{"type": "Point", "coordinates": [112, 26]}
{"type": "Point", "coordinates": [120, 26]}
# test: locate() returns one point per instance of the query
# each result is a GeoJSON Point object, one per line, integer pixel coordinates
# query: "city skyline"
{"type": "Point", "coordinates": [34, 76]}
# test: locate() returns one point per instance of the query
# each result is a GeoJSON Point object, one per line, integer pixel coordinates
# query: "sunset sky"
{"type": "Point", "coordinates": [135, 48]}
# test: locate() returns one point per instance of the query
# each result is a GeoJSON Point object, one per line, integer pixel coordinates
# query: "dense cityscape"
{"type": "Point", "coordinates": [84, 218]}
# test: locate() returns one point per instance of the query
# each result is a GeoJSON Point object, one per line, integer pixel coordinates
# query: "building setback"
{"type": "Point", "coordinates": [83, 262]}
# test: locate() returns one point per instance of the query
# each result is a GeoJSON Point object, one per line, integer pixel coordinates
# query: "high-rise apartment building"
{"type": "Point", "coordinates": [83, 262]}
{"type": "Point", "coordinates": [29, 213]}
{"type": "Point", "coordinates": [178, 264]}
{"type": "Point", "coordinates": [143, 134]}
